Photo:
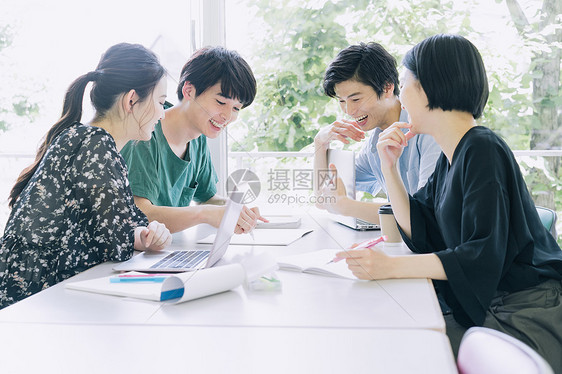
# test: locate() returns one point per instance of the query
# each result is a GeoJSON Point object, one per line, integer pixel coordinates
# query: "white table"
{"type": "Point", "coordinates": [362, 324]}
{"type": "Point", "coordinates": [304, 301]}
{"type": "Point", "coordinates": [54, 348]}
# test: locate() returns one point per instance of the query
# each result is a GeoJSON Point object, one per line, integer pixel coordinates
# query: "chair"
{"type": "Point", "coordinates": [483, 350]}
{"type": "Point", "coordinates": [548, 219]}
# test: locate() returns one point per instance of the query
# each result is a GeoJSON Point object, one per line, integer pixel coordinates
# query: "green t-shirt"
{"type": "Point", "coordinates": [157, 174]}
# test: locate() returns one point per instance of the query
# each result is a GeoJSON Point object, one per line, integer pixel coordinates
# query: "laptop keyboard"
{"type": "Point", "coordinates": [364, 223]}
{"type": "Point", "coordinates": [181, 259]}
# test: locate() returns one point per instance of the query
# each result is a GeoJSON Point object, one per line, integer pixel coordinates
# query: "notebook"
{"type": "Point", "coordinates": [175, 288]}
{"type": "Point", "coordinates": [188, 260]}
{"type": "Point", "coordinates": [316, 262]}
{"type": "Point", "coordinates": [345, 163]}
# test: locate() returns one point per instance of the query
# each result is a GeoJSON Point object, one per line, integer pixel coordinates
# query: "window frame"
{"type": "Point", "coordinates": [208, 27]}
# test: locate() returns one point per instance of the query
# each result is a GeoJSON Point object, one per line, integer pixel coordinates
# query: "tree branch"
{"type": "Point", "coordinates": [517, 15]}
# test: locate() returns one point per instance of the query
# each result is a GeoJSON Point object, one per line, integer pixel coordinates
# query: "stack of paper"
{"type": "Point", "coordinates": [280, 222]}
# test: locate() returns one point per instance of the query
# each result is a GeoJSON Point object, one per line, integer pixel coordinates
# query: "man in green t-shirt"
{"type": "Point", "coordinates": [174, 167]}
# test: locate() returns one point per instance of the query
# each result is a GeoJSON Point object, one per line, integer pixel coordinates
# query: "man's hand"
{"type": "Point", "coordinates": [248, 220]}
{"type": "Point", "coordinates": [333, 198]}
{"type": "Point", "coordinates": [341, 130]}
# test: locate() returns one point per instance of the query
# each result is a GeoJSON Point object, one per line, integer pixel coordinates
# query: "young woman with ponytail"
{"type": "Point", "coordinates": [73, 208]}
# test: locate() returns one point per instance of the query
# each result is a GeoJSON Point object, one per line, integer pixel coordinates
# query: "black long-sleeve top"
{"type": "Point", "coordinates": [478, 217]}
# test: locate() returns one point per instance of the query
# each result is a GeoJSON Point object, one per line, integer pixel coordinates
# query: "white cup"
{"type": "Point", "coordinates": [388, 225]}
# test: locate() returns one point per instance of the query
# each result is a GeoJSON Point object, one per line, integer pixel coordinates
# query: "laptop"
{"type": "Point", "coordinates": [188, 260]}
{"type": "Point", "coordinates": [345, 163]}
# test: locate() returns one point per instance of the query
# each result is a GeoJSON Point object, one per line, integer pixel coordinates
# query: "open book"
{"type": "Point", "coordinates": [316, 262]}
{"type": "Point", "coordinates": [174, 288]}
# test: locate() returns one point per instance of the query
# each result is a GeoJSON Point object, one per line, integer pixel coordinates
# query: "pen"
{"type": "Point", "coordinates": [372, 243]}
{"type": "Point", "coordinates": [141, 275]}
{"type": "Point", "coordinates": [151, 279]}
{"type": "Point", "coordinates": [366, 244]}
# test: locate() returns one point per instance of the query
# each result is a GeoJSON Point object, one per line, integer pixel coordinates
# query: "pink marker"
{"type": "Point", "coordinates": [366, 244]}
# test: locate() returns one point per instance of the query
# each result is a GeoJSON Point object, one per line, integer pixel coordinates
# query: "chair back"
{"type": "Point", "coordinates": [486, 351]}
{"type": "Point", "coordinates": [548, 219]}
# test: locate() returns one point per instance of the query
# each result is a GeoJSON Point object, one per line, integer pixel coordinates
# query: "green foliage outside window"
{"type": "Point", "coordinates": [13, 106]}
{"type": "Point", "coordinates": [300, 38]}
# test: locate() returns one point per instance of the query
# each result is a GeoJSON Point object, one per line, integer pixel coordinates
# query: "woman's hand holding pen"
{"type": "Point", "coordinates": [366, 262]}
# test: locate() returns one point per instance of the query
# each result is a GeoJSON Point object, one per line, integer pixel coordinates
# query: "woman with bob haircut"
{"type": "Point", "coordinates": [73, 207]}
{"type": "Point", "coordinates": [474, 224]}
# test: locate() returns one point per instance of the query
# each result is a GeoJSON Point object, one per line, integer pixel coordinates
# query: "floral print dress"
{"type": "Point", "coordinates": [77, 211]}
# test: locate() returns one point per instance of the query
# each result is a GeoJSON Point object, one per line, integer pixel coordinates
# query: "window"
{"type": "Point", "coordinates": [289, 44]}
{"type": "Point", "coordinates": [45, 45]}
